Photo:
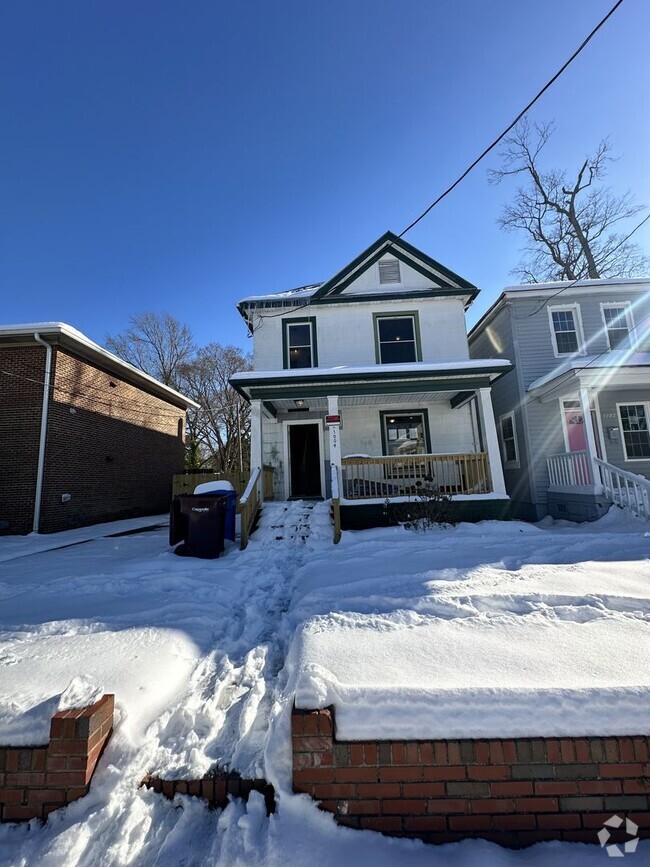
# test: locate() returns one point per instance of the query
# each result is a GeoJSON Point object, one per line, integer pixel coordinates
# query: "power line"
{"type": "Point", "coordinates": [496, 141]}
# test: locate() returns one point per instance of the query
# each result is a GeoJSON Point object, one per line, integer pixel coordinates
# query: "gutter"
{"type": "Point", "coordinates": [43, 436]}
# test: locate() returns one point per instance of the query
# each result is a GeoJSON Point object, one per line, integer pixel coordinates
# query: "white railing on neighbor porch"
{"type": "Point", "coordinates": [627, 490]}
{"type": "Point", "coordinates": [570, 469]}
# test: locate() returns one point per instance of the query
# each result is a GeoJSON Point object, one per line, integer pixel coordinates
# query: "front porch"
{"type": "Point", "coordinates": [379, 434]}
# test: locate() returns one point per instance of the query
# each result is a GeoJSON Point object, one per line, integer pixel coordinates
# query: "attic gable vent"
{"type": "Point", "coordinates": [389, 271]}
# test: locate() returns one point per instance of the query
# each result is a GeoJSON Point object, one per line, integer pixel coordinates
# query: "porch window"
{"type": "Point", "coordinates": [299, 340]}
{"type": "Point", "coordinates": [634, 425]}
{"type": "Point", "coordinates": [509, 440]}
{"type": "Point", "coordinates": [617, 319]}
{"type": "Point", "coordinates": [566, 329]}
{"type": "Point", "coordinates": [405, 434]}
{"type": "Point", "coordinates": [397, 338]}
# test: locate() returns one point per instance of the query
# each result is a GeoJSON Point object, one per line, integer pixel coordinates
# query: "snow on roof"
{"type": "Point", "coordinates": [290, 294]}
{"type": "Point", "coordinates": [579, 284]}
{"type": "Point", "coordinates": [422, 367]}
{"type": "Point", "coordinates": [615, 359]}
{"type": "Point", "coordinates": [62, 329]}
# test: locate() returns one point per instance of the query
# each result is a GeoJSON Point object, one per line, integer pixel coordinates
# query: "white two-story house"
{"type": "Point", "coordinates": [363, 386]}
{"type": "Point", "coordinates": [574, 414]}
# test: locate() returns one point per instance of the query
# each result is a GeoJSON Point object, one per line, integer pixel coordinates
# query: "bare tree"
{"type": "Point", "coordinates": [221, 426]}
{"type": "Point", "coordinates": [156, 343]}
{"type": "Point", "coordinates": [568, 220]}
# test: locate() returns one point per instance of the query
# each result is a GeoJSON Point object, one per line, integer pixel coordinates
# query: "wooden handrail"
{"type": "Point", "coordinates": [386, 477]}
{"type": "Point", "coordinates": [250, 503]}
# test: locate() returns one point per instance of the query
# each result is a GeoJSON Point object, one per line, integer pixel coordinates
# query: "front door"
{"type": "Point", "coordinates": [304, 460]}
{"type": "Point", "coordinates": [574, 423]}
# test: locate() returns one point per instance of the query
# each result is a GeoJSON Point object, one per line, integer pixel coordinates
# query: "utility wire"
{"type": "Point", "coordinates": [496, 141]}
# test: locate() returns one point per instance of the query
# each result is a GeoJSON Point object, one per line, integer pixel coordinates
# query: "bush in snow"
{"type": "Point", "coordinates": [426, 508]}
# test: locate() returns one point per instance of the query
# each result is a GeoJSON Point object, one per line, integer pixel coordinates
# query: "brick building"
{"type": "Point", "coordinates": [84, 436]}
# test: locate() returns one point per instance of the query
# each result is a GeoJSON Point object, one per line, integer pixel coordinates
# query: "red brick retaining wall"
{"type": "Point", "coordinates": [215, 788]}
{"type": "Point", "coordinates": [515, 792]}
{"type": "Point", "coordinates": [36, 780]}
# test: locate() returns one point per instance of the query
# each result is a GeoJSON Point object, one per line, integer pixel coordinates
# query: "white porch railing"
{"type": "Point", "coordinates": [627, 490]}
{"type": "Point", "coordinates": [570, 469]}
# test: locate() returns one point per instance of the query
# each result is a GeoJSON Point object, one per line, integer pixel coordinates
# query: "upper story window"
{"type": "Point", "coordinates": [566, 329]}
{"type": "Point", "coordinates": [389, 271]}
{"type": "Point", "coordinates": [299, 343]}
{"type": "Point", "coordinates": [617, 319]}
{"type": "Point", "coordinates": [397, 338]}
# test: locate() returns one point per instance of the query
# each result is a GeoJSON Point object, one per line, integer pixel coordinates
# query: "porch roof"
{"type": "Point", "coordinates": [389, 379]}
{"type": "Point", "coordinates": [616, 369]}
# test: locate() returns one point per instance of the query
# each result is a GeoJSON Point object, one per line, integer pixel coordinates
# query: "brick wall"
{"type": "Point", "coordinates": [22, 369]}
{"type": "Point", "coordinates": [515, 792]}
{"type": "Point", "coordinates": [34, 781]}
{"type": "Point", "coordinates": [216, 788]}
{"type": "Point", "coordinates": [111, 446]}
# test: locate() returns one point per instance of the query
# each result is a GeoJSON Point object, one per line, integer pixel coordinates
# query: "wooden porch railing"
{"type": "Point", "coordinates": [569, 469]}
{"type": "Point", "coordinates": [386, 477]}
{"type": "Point", "coordinates": [267, 483]}
{"type": "Point", "coordinates": [249, 504]}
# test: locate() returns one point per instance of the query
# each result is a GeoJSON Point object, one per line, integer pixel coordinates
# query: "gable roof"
{"type": "Point", "coordinates": [448, 283]}
{"type": "Point", "coordinates": [405, 252]}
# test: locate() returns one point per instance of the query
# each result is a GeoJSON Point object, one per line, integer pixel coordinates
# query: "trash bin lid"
{"type": "Point", "coordinates": [218, 486]}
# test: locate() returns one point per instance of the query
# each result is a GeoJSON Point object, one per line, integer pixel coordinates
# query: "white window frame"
{"type": "Point", "coordinates": [608, 305]}
{"type": "Point", "coordinates": [577, 321]}
{"type": "Point", "coordinates": [646, 406]}
{"type": "Point", "coordinates": [510, 465]}
{"type": "Point", "coordinates": [390, 282]}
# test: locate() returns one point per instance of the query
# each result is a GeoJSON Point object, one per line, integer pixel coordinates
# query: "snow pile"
{"type": "Point", "coordinates": [206, 657]}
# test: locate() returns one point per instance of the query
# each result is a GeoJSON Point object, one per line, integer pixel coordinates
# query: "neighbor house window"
{"type": "Point", "coordinates": [617, 319]}
{"type": "Point", "coordinates": [397, 338]}
{"type": "Point", "coordinates": [634, 426]}
{"type": "Point", "coordinates": [405, 433]}
{"type": "Point", "coordinates": [299, 339]}
{"type": "Point", "coordinates": [509, 440]}
{"type": "Point", "coordinates": [389, 271]}
{"type": "Point", "coordinates": [566, 329]}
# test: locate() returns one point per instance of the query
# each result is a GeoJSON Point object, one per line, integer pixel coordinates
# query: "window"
{"type": "Point", "coordinates": [509, 440]}
{"type": "Point", "coordinates": [397, 338]}
{"type": "Point", "coordinates": [405, 434]}
{"type": "Point", "coordinates": [389, 271]}
{"type": "Point", "coordinates": [617, 319]}
{"type": "Point", "coordinates": [566, 330]}
{"type": "Point", "coordinates": [634, 425]}
{"type": "Point", "coordinates": [299, 343]}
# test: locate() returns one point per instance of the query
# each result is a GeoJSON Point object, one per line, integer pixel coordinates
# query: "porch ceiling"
{"type": "Point", "coordinates": [346, 401]}
{"type": "Point", "coordinates": [612, 370]}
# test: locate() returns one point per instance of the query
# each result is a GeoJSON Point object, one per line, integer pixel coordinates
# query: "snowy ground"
{"type": "Point", "coordinates": [205, 658]}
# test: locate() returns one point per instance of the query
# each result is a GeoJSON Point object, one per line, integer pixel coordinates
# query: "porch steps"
{"type": "Point", "coordinates": [293, 521]}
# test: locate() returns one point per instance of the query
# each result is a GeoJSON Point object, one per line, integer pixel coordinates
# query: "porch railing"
{"type": "Point", "coordinates": [267, 482]}
{"type": "Point", "coordinates": [398, 476]}
{"type": "Point", "coordinates": [249, 504]}
{"type": "Point", "coordinates": [627, 490]}
{"type": "Point", "coordinates": [569, 469]}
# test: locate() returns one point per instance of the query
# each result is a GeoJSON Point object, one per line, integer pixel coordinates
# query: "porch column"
{"type": "Point", "coordinates": [335, 437]}
{"type": "Point", "coordinates": [256, 442]}
{"type": "Point", "coordinates": [491, 441]}
{"type": "Point", "coordinates": [590, 436]}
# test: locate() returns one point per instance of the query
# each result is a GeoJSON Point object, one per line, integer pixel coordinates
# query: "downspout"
{"type": "Point", "coordinates": [41, 445]}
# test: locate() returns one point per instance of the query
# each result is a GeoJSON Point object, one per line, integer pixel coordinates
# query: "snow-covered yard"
{"type": "Point", "coordinates": [538, 629]}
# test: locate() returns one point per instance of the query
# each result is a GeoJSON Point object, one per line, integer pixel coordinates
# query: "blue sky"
{"type": "Point", "coordinates": [178, 156]}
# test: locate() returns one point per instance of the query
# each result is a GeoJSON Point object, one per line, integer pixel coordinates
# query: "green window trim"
{"type": "Point", "coordinates": [404, 411]}
{"type": "Point", "coordinates": [402, 314]}
{"type": "Point", "coordinates": [299, 320]}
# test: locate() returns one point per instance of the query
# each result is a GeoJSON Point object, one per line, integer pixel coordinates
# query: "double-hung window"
{"type": "Point", "coordinates": [397, 338]}
{"type": "Point", "coordinates": [617, 319]}
{"type": "Point", "coordinates": [634, 426]}
{"type": "Point", "coordinates": [509, 440]}
{"type": "Point", "coordinates": [299, 339]}
{"type": "Point", "coordinates": [566, 329]}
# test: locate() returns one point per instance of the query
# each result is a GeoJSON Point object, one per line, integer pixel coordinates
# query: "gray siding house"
{"type": "Point", "coordinates": [573, 415]}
